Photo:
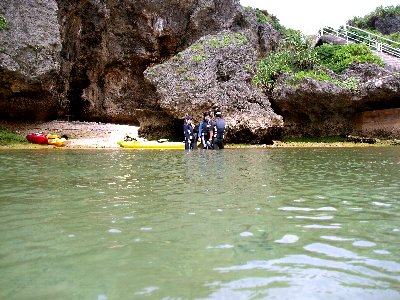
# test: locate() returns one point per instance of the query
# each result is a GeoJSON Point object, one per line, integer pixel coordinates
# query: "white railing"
{"type": "Point", "coordinates": [356, 35]}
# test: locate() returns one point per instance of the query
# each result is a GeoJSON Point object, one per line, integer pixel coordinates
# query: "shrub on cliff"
{"type": "Point", "coordinates": [295, 54]}
{"type": "Point", "coordinates": [263, 17]}
{"type": "Point", "coordinates": [350, 83]}
{"type": "Point", "coordinates": [340, 57]}
{"type": "Point", "coordinates": [3, 23]}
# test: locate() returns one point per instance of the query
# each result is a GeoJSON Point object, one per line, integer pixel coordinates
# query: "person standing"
{"type": "Point", "coordinates": [188, 132]}
{"type": "Point", "coordinates": [218, 130]}
{"type": "Point", "coordinates": [205, 129]}
{"type": "Point", "coordinates": [193, 143]}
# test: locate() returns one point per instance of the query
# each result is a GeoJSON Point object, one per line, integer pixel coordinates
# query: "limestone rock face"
{"type": "Point", "coordinates": [216, 72]}
{"type": "Point", "coordinates": [321, 108]}
{"type": "Point", "coordinates": [30, 59]}
{"type": "Point", "coordinates": [108, 45]}
{"type": "Point", "coordinates": [86, 58]}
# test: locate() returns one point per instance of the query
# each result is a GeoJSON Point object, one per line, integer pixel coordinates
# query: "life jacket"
{"type": "Point", "coordinates": [219, 128]}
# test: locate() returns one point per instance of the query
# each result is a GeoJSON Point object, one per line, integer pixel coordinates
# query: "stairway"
{"type": "Point", "coordinates": [387, 50]}
{"type": "Point", "coordinates": [392, 63]}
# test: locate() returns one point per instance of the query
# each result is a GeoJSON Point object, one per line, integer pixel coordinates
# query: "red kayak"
{"type": "Point", "coordinates": [37, 138]}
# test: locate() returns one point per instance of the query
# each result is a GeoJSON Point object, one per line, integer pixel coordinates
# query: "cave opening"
{"type": "Point", "coordinates": [76, 102]}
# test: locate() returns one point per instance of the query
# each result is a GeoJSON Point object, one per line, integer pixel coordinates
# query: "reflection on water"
{"type": "Point", "coordinates": [232, 224]}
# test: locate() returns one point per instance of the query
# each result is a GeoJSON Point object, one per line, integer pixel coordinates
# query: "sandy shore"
{"type": "Point", "coordinates": [80, 134]}
{"type": "Point", "coordinates": [93, 135]}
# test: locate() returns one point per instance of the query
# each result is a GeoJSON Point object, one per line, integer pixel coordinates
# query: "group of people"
{"type": "Point", "coordinates": [210, 132]}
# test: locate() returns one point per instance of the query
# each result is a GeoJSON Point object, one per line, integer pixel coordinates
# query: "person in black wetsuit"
{"type": "Point", "coordinates": [205, 129]}
{"type": "Point", "coordinates": [218, 130]}
{"type": "Point", "coordinates": [193, 142]}
{"type": "Point", "coordinates": [188, 132]}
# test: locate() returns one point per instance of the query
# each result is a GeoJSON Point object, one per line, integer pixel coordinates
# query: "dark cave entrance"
{"type": "Point", "coordinates": [76, 102]}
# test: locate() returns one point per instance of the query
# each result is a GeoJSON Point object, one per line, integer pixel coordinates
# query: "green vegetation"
{"type": "Point", "coordinates": [395, 36]}
{"type": "Point", "coordinates": [270, 68]}
{"type": "Point", "coordinates": [190, 78]}
{"type": "Point", "coordinates": [263, 17]}
{"type": "Point", "coordinates": [350, 83]}
{"type": "Point", "coordinates": [297, 57]}
{"type": "Point", "coordinates": [182, 70]}
{"type": "Point", "coordinates": [215, 41]}
{"type": "Point", "coordinates": [218, 41]}
{"type": "Point", "coordinates": [339, 57]}
{"type": "Point", "coordinates": [330, 139]}
{"type": "Point", "coordinates": [7, 137]}
{"type": "Point", "coordinates": [295, 54]}
{"type": "Point", "coordinates": [200, 57]}
{"type": "Point", "coordinates": [367, 22]}
{"type": "Point", "coordinates": [316, 74]}
{"type": "Point", "coordinates": [3, 23]}
{"type": "Point", "coordinates": [227, 40]}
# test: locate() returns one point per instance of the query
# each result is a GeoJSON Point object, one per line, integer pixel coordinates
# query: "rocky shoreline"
{"type": "Point", "coordinates": [94, 135]}
{"type": "Point", "coordinates": [79, 134]}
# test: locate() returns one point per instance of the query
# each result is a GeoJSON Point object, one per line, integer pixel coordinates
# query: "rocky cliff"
{"type": "Point", "coordinates": [30, 61]}
{"type": "Point", "coordinates": [149, 63]}
{"type": "Point", "coordinates": [86, 58]}
{"type": "Point", "coordinates": [216, 72]}
{"type": "Point", "coordinates": [323, 108]}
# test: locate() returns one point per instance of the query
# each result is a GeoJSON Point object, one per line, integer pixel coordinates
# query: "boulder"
{"type": "Point", "coordinates": [216, 72]}
{"type": "Point", "coordinates": [324, 108]}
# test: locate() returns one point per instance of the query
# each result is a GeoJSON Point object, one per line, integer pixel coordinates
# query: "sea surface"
{"type": "Point", "coordinates": [319, 223]}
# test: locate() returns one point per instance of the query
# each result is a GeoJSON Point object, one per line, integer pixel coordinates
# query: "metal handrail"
{"type": "Point", "coordinates": [357, 35]}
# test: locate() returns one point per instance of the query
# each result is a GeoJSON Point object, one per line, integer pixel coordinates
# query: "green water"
{"type": "Point", "coordinates": [231, 224]}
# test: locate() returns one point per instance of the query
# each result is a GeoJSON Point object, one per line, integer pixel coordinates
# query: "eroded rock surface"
{"type": "Point", "coordinates": [86, 59]}
{"type": "Point", "coordinates": [30, 59]}
{"type": "Point", "coordinates": [216, 72]}
{"type": "Point", "coordinates": [322, 108]}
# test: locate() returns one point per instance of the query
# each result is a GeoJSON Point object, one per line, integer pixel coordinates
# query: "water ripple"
{"type": "Point", "coordinates": [234, 224]}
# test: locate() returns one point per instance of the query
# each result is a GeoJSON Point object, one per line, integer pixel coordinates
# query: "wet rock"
{"type": "Point", "coordinates": [360, 139]}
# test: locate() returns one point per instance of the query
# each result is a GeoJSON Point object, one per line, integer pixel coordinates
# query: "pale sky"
{"type": "Point", "coordinates": [310, 15]}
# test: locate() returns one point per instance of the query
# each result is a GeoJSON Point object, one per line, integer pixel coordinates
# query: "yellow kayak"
{"type": "Point", "coordinates": [54, 140]}
{"type": "Point", "coordinates": [151, 145]}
